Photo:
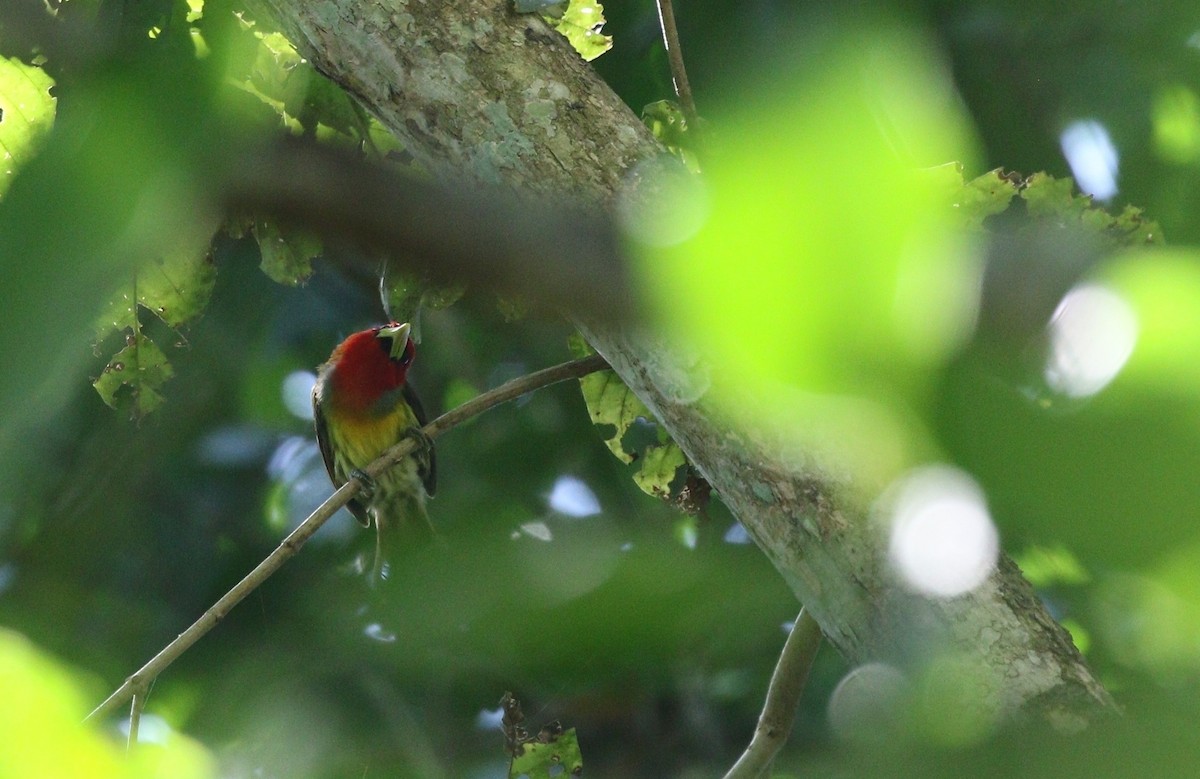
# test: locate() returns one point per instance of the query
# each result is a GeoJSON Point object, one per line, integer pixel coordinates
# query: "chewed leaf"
{"type": "Point", "coordinates": [612, 403]}
{"type": "Point", "coordinates": [616, 410]}
{"type": "Point", "coordinates": [133, 379]}
{"type": "Point", "coordinates": [559, 757]}
{"type": "Point", "coordinates": [984, 196]}
{"type": "Point", "coordinates": [287, 253]}
{"type": "Point", "coordinates": [659, 468]}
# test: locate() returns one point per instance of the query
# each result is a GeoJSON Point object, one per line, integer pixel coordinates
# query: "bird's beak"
{"type": "Point", "coordinates": [399, 335]}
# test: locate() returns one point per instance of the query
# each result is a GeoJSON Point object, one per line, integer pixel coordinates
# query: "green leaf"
{"type": "Point", "coordinates": [660, 465]}
{"type": "Point", "coordinates": [581, 23]}
{"type": "Point", "coordinates": [406, 294]}
{"type": "Point", "coordinates": [1055, 199]}
{"type": "Point", "coordinates": [666, 120]}
{"type": "Point", "coordinates": [133, 379]}
{"type": "Point", "coordinates": [287, 253]}
{"type": "Point", "coordinates": [611, 403]}
{"type": "Point", "coordinates": [26, 113]}
{"type": "Point", "coordinates": [1046, 566]}
{"type": "Point", "coordinates": [983, 196]}
{"type": "Point", "coordinates": [613, 407]}
{"type": "Point", "coordinates": [1047, 196]}
{"type": "Point", "coordinates": [1176, 117]}
{"type": "Point", "coordinates": [176, 289]}
{"type": "Point", "coordinates": [511, 308]}
{"type": "Point", "coordinates": [559, 758]}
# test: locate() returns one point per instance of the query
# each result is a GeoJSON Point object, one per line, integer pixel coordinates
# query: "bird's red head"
{"type": "Point", "coordinates": [369, 364]}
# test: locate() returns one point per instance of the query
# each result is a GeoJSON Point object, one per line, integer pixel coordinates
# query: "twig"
{"type": "Point", "coordinates": [683, 89]}
{"type": "Point", "coordinates": [783, 694]}
{"type": "Point", "coordinates": [138, 682]}
{"type": "Point", "coordinates": [135, 719]}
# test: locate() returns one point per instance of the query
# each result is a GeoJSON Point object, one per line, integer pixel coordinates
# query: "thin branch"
{"type": "Point", "coordinates": [135, 719]}
{"type": "Point", "coordinates": [683, 89]}
{"type": "Point", "coordinates": [138, 682]}
{"type": "Point", "coordinates": [783, 695]}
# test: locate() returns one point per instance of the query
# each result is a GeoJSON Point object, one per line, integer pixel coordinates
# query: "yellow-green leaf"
{"type": "Point", "coordinates": [26, 112]}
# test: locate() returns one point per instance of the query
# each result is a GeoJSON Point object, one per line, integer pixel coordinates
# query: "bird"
{"type": "Point", "coordinates": [363, 403]}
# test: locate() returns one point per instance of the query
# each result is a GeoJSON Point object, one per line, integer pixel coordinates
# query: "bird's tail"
{"type": "Point", "coordinates": [401, 527]}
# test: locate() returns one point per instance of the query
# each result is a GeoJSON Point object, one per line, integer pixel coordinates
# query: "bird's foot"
{"type": "Point", "coordinates": [366, 485]}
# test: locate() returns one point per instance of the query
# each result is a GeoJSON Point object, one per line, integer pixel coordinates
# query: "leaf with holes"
{"type": "Point", "coordinates": [287, 253]}
{"type": "Point", "coordinates": [660, 464]}
{"type": "Point", "coordinates": [558, 758]}
{"type": "Point", "coordinates": [133, 379]}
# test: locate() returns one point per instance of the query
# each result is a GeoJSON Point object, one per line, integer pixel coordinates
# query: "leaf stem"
{"type": "Point", "coordinates": [140, 679]}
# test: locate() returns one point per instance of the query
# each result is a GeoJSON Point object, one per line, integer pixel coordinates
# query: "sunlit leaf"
{"type": "Point", "coordinates": [982, 196]}
{"type": "Point", "coordinates": [1176, 118]}
{"type": "Point", "coordinates": [26, 113]}
{"type": "Point", "coordinates": [611, 404]}
{"type": "Point", "coordinates": [659, 467]}
{"type": "Point", "coordinates": [1046, 566]}
{"type": "Point", "coordinates": [579, 20]}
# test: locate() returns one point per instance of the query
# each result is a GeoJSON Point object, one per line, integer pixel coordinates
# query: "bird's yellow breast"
{"type": "Point", "coordinates": [361, 439]}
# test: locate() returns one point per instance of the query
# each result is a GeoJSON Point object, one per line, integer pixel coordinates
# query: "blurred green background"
{"type": "Point", "coordinates": [652, 633]}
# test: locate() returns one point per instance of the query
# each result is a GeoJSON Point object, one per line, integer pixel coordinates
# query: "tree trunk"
{"type": "Point", "coordinates": [474, 89]}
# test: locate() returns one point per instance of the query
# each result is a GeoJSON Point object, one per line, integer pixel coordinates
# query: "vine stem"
{"type": "Point", "coordinates": [783, 695]}
{"type": "Point", "coordinates": [138, 683]}
{"type": "Point", "coordinates": [683, 89]}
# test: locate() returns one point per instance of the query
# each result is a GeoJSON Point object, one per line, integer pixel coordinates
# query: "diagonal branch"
{"type": "Point", "coordinates": [138, 683]}
{"type": "Point", "coordinates": [783, 695]}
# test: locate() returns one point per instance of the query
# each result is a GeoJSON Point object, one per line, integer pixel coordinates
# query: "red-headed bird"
{"type": "Point", "coordinates": [362, 405]}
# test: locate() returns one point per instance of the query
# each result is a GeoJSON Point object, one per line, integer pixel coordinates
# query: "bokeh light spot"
{"type": "Point", "coordinates": [867, 705]}
{"type": "Point", "coordinates": [942, 539]}
{"type": "Point", "coordinates": [1092, 334]}
{"type": "Point", "coordinates": [571, 496]}
{"type": "Point", "coordinates": [297, 393]}
{"type": "Point", "coordinates": [1093, 158]}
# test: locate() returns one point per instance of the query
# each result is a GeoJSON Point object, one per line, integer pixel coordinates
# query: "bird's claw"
{"type": "Point", "coordinates": [366, 484]}
{"type": "Point", "coordinates": [422, 439]}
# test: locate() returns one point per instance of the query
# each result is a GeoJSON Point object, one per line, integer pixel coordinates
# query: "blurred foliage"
{"type": "Point", "coordinates": [44, 734]}
{"type": "Point", "coordinates": [904, 315]}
